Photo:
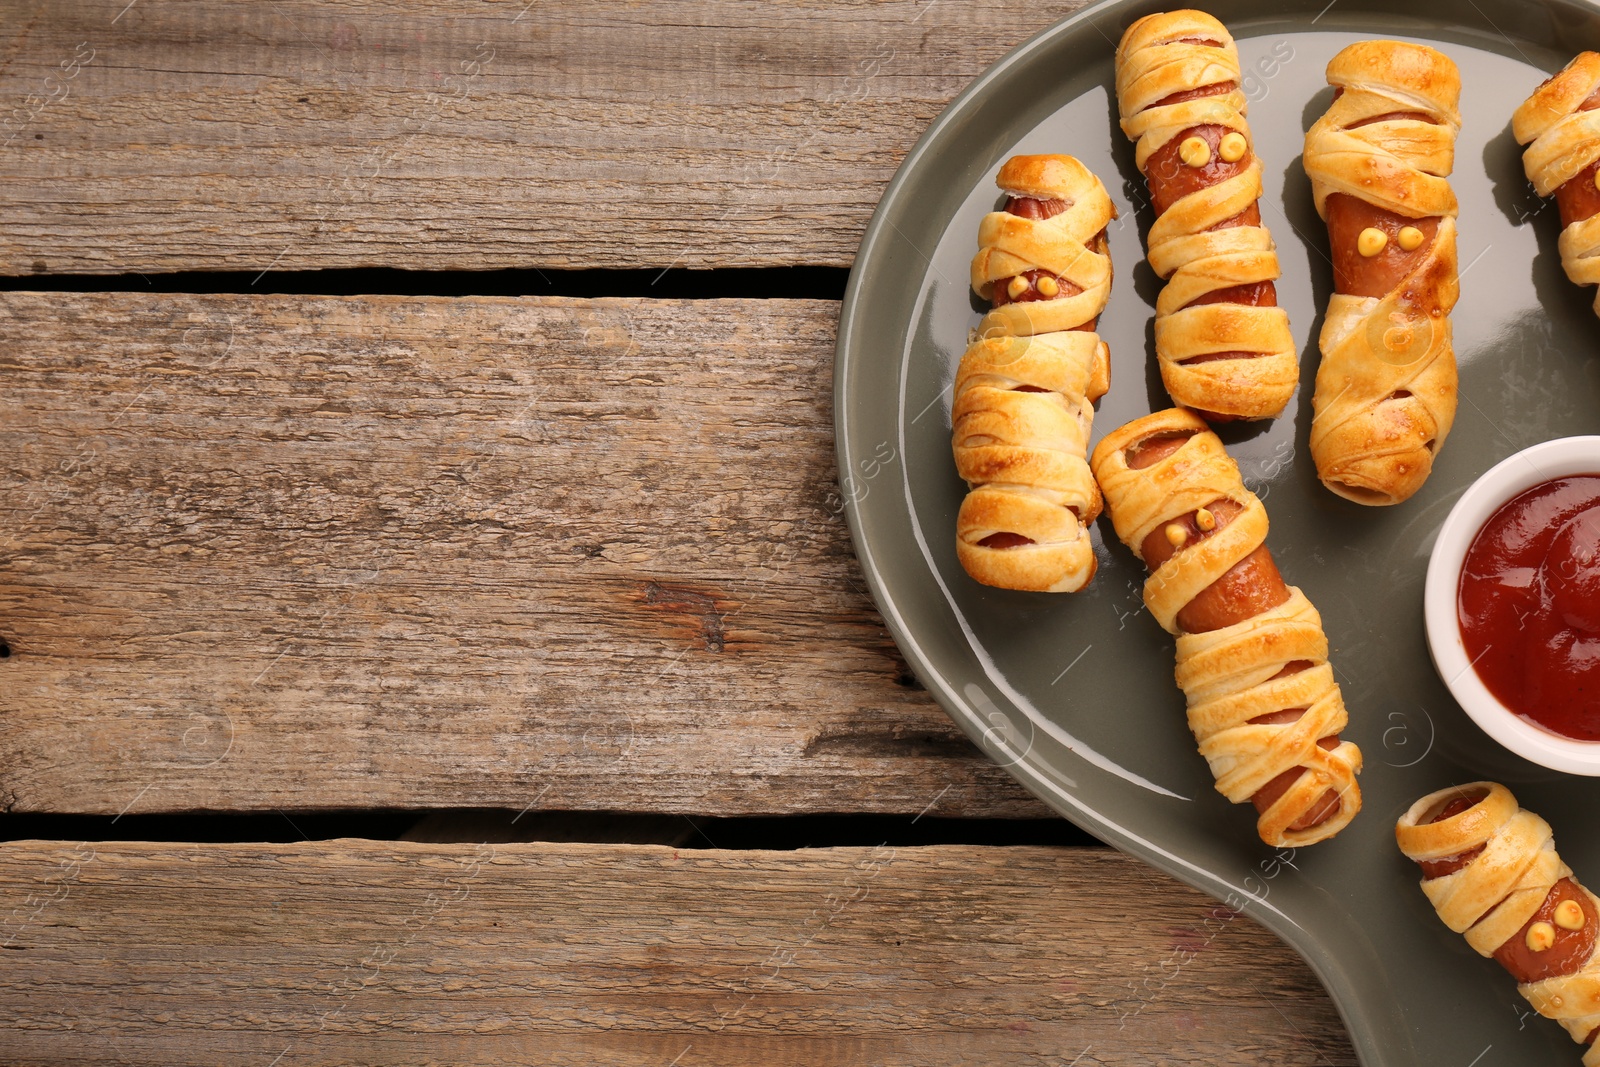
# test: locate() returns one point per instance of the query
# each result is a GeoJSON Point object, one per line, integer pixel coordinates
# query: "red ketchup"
{"type": "Point", "coordinates": [1529, 604]}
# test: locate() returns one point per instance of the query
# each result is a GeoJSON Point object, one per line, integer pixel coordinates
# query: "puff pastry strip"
{"type": "Point", "coordinates": [1263, 702]}
{"type": "Point", "coordinates": [1492, 873]}
{"type": "Point", "coordinates": [1386, 388]}
{"type": "Point", "coordinates": [1561, 128]}
{"type": "Point", "coordinates": [1025, 388]}
{"type": "Point", "coordinates": [1223, 344]}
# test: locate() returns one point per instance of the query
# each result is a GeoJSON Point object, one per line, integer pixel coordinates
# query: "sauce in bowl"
{"type": "Point", "coordinates": [1529, 605]}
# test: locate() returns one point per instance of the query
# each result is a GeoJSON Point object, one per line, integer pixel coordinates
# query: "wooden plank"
{"type": "Point", "coordinates": [361, 951]}
{"type": "Point", "coordinates": [296, 552]}
{"type": "Point", "coordinates": [465, 134]}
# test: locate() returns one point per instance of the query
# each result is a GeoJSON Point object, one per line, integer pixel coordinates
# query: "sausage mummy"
{"type": "Point", "coordinates": [1491, 870]}
{"type": "Point", "coordinates": [1561, 128]}
{"type": "Point", "coordinates": [1252, 656]}
{"type": "Point", "coordinates": [1222, 342]}
{"type": "Point", "coordinates": [1026, 386]}
{"type": "Point", "coordinates": [1386, 389]}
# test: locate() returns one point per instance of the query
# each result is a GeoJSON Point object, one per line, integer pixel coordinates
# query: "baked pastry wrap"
{"type": "Point", "coordinates": [1492, 873]}
{"type": "Point", "coordinates": [1561, 127]}
{"type": "Point", "coordinates": [1026, 386]}
{"type": "Point", "coordinates": [1258, 664]}
{"type": "Point", "coordinates": [1386, 388]}
{"type": "Point", "coordinates": [1223, 344]}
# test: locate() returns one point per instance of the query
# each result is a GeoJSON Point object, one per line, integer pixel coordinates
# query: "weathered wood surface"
{"type": "Point", "coordinates": [296, 552]}
{"type": "Point", "coordinates": [358, 951]}
{"type": "Point", "coordinates": [468, 134]}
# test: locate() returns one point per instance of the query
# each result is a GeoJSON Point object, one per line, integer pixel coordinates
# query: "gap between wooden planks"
{"type": "Point", "coordinates": [469, 134]}
{"type": "Point", "coordinates": [384, 552]}
{"type": "Point", "coordinates": [359, 951]}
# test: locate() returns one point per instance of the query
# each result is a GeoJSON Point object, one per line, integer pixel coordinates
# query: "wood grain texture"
{"type": "Point", "coordinates": [359, 952]}
{"type": "Point", "coordinates": [468, 134]}
{"type": "Point", "coordinates": [296, 552]}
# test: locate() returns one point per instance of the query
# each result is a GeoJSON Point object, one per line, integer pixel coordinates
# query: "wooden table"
{"type": "Point", "coordinates": [481, 560]}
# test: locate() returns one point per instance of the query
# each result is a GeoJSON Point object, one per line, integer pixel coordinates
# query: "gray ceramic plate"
{"type": "Point", "coordinates": [1075, 693]}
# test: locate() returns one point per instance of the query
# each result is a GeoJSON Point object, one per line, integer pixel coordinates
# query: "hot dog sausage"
{"type": "Point", "coordinates": [1561, 127]}
{"type": "Point", "coordinates": [1251, 650]}
{"type": "Point", "coordinates": [1519, 903]}
{"type": "Point", "coordinates": [1026, 385]}
{"type": "Point", "coordinates": [1386, 388]}
{"type": "Point", "coordinates": [1222, 341]}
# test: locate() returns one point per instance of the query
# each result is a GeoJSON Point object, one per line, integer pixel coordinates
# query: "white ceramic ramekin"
{"type": "Point", "coordinates": [1540, 463]}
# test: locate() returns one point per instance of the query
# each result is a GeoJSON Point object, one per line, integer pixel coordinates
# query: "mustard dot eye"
{"type": "Point", "coordinates": [1371, 241]}
{"type": "Point", "coordinates": [1233, 147]}
{"type": "Point", "coordinates": [1569, 915]}
{"type": "Point", "coordinates": [1541, 935]}
{"type": "Point", "coordinates": [1194, 152]}
{"type": "Point", "coordinates": [1176, 535]}
{"type": "Point", "coordinates": [1410, 238]}
{"type": "Point", "coordinates": [1017, 286]}
{"type": "Point", "coordinates": [1205, 520]}
{"type": "Point", "coordinates": [1047, 286]}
